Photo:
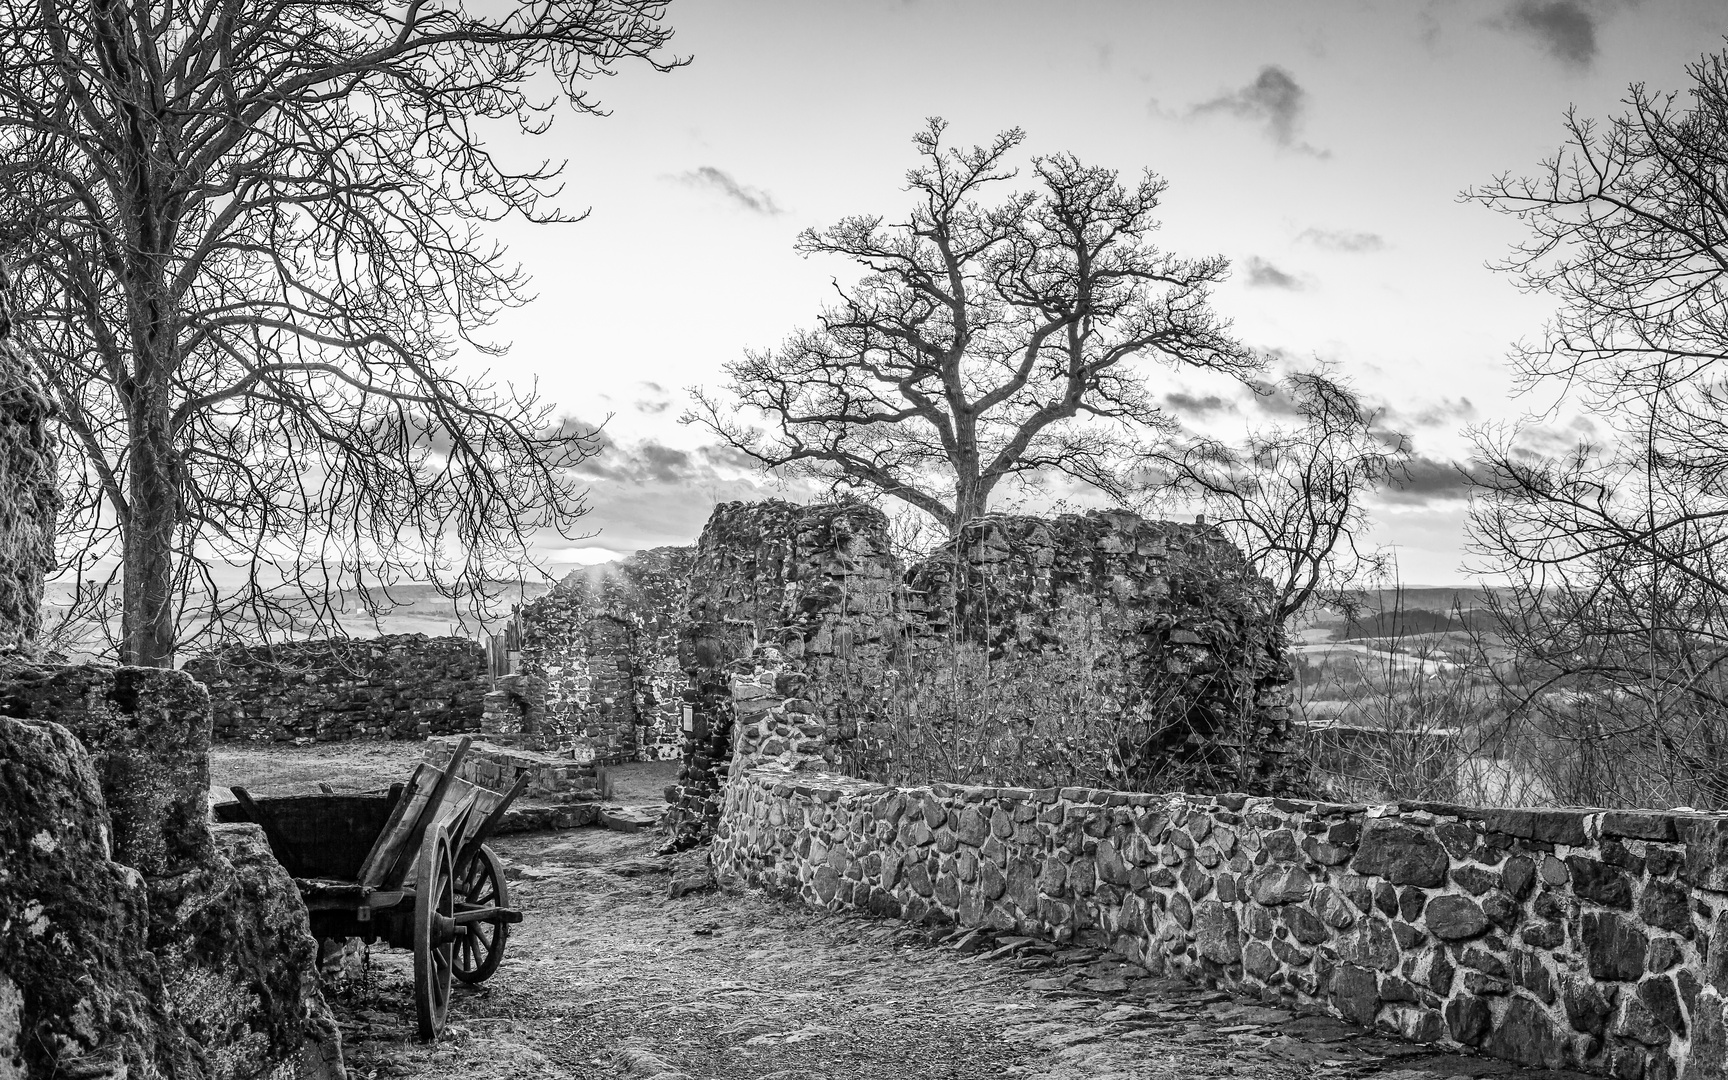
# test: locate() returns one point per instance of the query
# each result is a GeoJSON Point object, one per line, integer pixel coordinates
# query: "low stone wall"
{"type": "Point", "coordinates": [401, 686]}
{"type": "Point", "coordinates": [1559, 938]}
{"type": "Point", "coordinates": [551, 777]}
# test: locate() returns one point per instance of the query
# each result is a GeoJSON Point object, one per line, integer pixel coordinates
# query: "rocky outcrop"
{"type": "Point", "coordinates": [189, 946]}
{"type": "Point", "coordinates": [80, 994]}
{"type": "Point", "coordinates": [400, 686]}
{"type": "Point", "coordinates": [1575, 939]}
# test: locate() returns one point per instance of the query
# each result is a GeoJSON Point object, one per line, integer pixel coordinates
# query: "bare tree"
{"type": "Point", "coordinates": [1612, 547]}
{"type": "Point", "coordinates": [248, 243]}
{"type": "Point", "coordinates": [984, 342]}
{"type": "Point", "coordinates": [1292, 496]}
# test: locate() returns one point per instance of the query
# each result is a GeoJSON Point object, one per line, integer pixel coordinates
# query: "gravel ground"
{"type": "Point", "coordinates": [608, 977]}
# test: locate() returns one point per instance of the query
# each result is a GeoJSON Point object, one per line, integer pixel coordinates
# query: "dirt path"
{"type": "Point", "coordinates": [606, 977]}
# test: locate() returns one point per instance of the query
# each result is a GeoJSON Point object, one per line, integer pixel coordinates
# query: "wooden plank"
{"type": "Point", "coordinates": [470, 847]}
{"type": "Point", "coordinates": [428, 813]}
{"type": "Point", "coordinates": [388, 846]}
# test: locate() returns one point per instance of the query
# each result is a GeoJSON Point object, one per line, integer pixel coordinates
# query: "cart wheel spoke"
{"type": "Point", "coordinates": [483, 885]}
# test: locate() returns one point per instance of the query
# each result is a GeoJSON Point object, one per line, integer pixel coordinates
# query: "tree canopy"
{"type": "Point", "coordinates": [984, 342]}
{"type": "Point", "coordinates": [248, 242]}
{"type": "Point", "coordinates": [1615, 546]}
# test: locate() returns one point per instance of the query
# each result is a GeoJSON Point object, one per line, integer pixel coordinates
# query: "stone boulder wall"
{"type": "Point", "coordinates": [1593, 940]}
{"type": "Point", "coordinates": [400, 686]}
{"type": "Point", "coordinates": [215, 941]}
{"type": "Point", "coordinates": [29, 498]}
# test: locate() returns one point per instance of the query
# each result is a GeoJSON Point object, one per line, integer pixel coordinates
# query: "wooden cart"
{"type": "Point", "coordinates": [409, 866]}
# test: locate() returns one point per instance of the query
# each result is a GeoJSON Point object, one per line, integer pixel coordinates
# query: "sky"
{"type": "Point", "coordinates": [1320, 145]}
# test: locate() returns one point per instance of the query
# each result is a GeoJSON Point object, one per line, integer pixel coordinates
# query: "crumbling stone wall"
{"type": "Point", "coordinates": [600, 659]}
{"type": "Point", "coordinates": [1190, 664]}
{"type": "Point", "coordinates": [29, 498]}
{"type": "Point", "coordinates": [804, 637]}
{"type": "Point", "coordinates": [401, 686]}
{"type": "Point", "coordinates": [132, 932]}
{"type": "Point", "coordinates": [1560, 938]}
{"type": "Point", "coordinates": [810, 586]}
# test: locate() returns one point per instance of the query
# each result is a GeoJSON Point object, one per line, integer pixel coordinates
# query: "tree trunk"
{"type": "Point", "coordinates": [153, 490]}
{"type": "Point", "coordinates": [969, 500]}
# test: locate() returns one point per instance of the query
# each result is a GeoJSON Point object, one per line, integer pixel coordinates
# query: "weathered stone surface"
{"type": "Point", "coordinates": [1455, 918]}
{"type": "Point", "coordinates": [1546, 826]}
{"type": "Point", "coordinates": [84, 988]}
{"type": "Point", "coordinates": [600, 659]}
{"type": "Point", "coordinates": [1218, 932]}
{"type": "Point", "coordinates": [1613, 946]}
{"type": "Point", "coordinates": [1525, 1034]}
{"type": "Point", "coordinates": [1598, 882]}
{"type": "Point", "coordinates": [148, 731]}
{"type": "Point", "coordinates": [1401, 854]}
{"type": "Point", "coordinates": [1560, 979]}
{"type": "Point", "coordinates": [1356, 993]}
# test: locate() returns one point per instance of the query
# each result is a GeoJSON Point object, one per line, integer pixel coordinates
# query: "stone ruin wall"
{"type": "Point", "coordinates": [799, 614]}
{"type": "Point", "coordinates": [1176, 625]}
{"type": "Point", "coordinates": [1592, 940]}
{"type": "Point", "coordinates": [135, 938]}
{"type": "Point", "coordinates": [402, 686]}
{"type": "Point", "coordinates": [796, 598]}
{"type": "Point", "coordinates": [600, 661]}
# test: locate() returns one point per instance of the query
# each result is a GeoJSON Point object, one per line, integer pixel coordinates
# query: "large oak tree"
{"type": "Point", "coordinates": [985, 341]}
{"type": "Point", "coordinates": [247, 240]}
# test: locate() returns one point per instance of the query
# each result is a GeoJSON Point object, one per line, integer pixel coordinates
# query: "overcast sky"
{"type": "Point", "coordinates": [1319, 145]}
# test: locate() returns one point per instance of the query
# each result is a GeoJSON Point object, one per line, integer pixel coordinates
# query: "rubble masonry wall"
{"type": "Point", "coordinates": [1594, 940]}
{"type": "Point", "coordinates": [401, 686]}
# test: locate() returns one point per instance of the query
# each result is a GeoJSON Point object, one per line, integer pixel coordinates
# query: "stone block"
{"type": "Point", "coordinates": [1402, 854]}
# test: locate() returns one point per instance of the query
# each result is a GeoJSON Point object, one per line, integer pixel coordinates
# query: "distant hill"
{"type": "Point", "coordinates": [416, 609]}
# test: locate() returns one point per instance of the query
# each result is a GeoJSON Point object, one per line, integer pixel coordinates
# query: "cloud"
{"type": "Point", "coordinates": [1338, 240]}
{"type": "Point", "coordinates": [1262, 274]}
{"type": "Point", "coordinates": [656, 401]}
{"type": "Point", "coordinates": [1565, 28]}
{"type": "Point", "coordinates": [1430, 480]}
{"type": "Point", "coordinates": [753, 199]}
{"type": "Point", "coordinates": [1193, 405]}
{"type": "Point", "coordinates": [1447, 413]}
{"type": "Point", "coordinates": [1275, 100]}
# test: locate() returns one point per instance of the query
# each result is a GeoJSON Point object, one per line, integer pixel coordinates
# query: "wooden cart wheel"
{"type": "Point", "coordinates": [434, 906]}
{"type": "Point", "coordinates": [482, 947]}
